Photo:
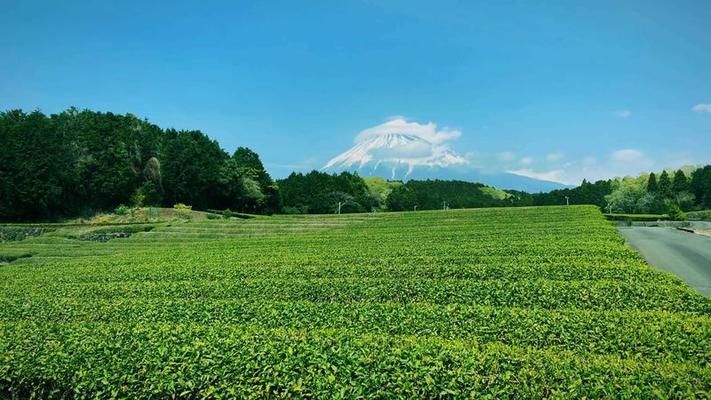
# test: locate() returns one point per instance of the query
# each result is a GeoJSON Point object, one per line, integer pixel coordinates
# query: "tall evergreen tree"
{"type": "Point", "coordinates": [701, 186]}
{"type": "Point", "coordinates": [251, 166]}
{"type": "Point", "coordinates": [680, 183]}
{"type": "Point", "coordinates": [652, 185]}
{"type": "Point", "coordinates": [665, 185]}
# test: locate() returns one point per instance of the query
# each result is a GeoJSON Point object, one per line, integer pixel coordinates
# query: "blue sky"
{"type": "Point", "coordinates": [561, 90]}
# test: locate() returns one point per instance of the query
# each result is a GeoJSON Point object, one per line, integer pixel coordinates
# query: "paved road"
{"type": "Point", "coordinates": [685, 254]}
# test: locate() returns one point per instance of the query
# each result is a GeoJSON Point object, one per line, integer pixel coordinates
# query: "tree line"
{"type": "Point", "coordinates": [82, 162]}
{"type": "Point", "coordinates": [685, 189]}
{"type": "Point", "coordinates": [664, 192]}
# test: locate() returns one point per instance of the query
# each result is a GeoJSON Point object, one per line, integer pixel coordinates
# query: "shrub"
{"type": "Point", "coordinates": [122, 209]}
{"type": "Point", "coordinates": [227, 214]}
{"type": "Point", "coordinates": [138, 198]}
{"type": "Point", "coordinates": [295, 210]}
{"type": "Point", "coordinates": [183, 211]}
{"type": "Point", "coordinates": [676, 214]}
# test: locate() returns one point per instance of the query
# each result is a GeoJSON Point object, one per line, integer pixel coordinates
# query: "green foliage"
{"type": "Point", "coordinates": [676, 214]}
{"type": "Point", "coordinates": [434, 194]}
{"type": "Point", "coordinates": [665, 186]}
{"type": "Point", "coordinates": [586, 193]}
{"type": "Point", "coordinates": [652, 185]}
{"type": "Point", "coordinates": [266, 197]}
{"type": "Point", "coordinates": [227, 214]}
{"type": "Point", "coordinates": [319, 193]}
{"type": "Point", "coordinates": [182, 207]}
{"type": "Point", "coordinates": [80, 162]}
{"type": "Point", "coordinates": [138, 198]}
{"type": "Point", "coordinates": [701, 186]}
{"type": "Point", "coordinates": [533, 302]}
{"type": "Point", "coordinates": [681, 182]}
{"type": "Point", "coordinates": [16, 233]}
{"type": "Point", "coordinates": [295, 210]}
{"type": "Point", "coordinates": [104, 234]}
{"type": "Point", "coordinates": [122, 209]}
{"type": "Point", "coordinates": [626, 195]}
{"type": "Point", "coordinates": [183, 211]}
{"type": "Point", "coordinates": [659, 195]}
{"type": "Point", "coordinates": [380, 188]}
{"type": "Point", "coordinates": [36, 167]}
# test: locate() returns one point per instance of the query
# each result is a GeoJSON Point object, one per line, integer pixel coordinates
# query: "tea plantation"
{"type": "Point", "coordinates": [490, 303]}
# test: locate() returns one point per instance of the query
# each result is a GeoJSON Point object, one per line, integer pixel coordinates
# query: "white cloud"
{"type": "Point", "coordinates": [619, 163]}
{"type": "Point", "coordinates": [552, 176]}
{"type": "Point", "coordinates": [400, 125]}
{"type": "Point", "coordinates": [506, 156]}
{"type": "Point", "coordinates": [526, 161]}
{"type": "Point", "coordinates": [702, 108]}
{"type": "Point", "coordinates": [627, 155]}
{"type": "Point", "coordinates": [553, 157]}
{"type": "Point", "coordinates": [623, 113]}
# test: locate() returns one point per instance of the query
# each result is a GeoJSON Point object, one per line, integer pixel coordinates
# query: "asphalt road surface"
{"type": "Point", "coordinates": [684, 254]}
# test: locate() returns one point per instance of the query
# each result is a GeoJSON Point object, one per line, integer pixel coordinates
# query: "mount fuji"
{"type": "Point", "coordinates": [403, 156]}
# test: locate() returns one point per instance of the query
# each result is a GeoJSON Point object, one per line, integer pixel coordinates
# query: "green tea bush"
{"type": "Point", "coordinates": [183, 211]}
{"type": "Point", "coordinates": [493, 303]}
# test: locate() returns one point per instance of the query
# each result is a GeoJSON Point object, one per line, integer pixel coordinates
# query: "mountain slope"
{"type": "Point", "coordinates": [408, 156]}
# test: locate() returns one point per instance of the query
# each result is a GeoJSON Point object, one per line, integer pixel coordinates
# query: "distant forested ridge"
{"type": "Point", "coordinates": [321, 193]}
{"type": "Point", "coordinates": [438, 194]}
{"type": "Point", "coordinates": [80, 162]}
{"type": "Point", "coordinates": [586, 193]}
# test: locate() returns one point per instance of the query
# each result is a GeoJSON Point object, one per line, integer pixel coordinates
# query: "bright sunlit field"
{"type": "Point", "coordinates": [494, 303]}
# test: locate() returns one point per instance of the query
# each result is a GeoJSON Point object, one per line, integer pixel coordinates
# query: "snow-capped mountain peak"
{"type": "Point", "coordinates": [394, 151]}
{"type": "Point", "coordinates": [401, 149]}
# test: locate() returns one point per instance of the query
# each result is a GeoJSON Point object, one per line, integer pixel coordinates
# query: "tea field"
{"type": "Point", "coordinates": [492, 303]}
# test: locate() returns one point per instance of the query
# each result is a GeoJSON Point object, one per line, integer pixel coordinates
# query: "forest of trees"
{"type": "Point", "coordinates": [320, 193]}
{"type": "Point", "coordinates": [685, 189]}
{"type": "Point", "coordinates": [586, 193]}
{"type": "Point", "coordinates": [82, 162]}
{"type": "Point", "coordinates": [663, 192]}
{"type": "Point", "coordinates": [437, 194]}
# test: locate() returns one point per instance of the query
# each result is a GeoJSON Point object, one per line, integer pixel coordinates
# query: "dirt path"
{"type": "Point", "coordinates": [685, 254]}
